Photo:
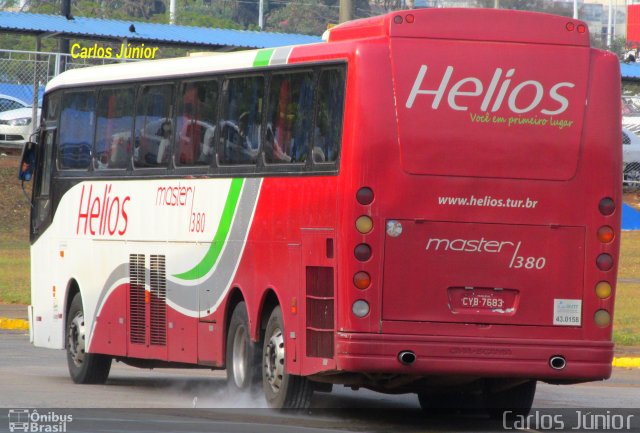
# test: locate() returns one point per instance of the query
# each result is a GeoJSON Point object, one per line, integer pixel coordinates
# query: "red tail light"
{"type": "Point", "coordinates": [604, 262]}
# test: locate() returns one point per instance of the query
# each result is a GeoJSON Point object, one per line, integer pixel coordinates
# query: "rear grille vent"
{"type": "Point", "coordinates": [320, 311]}
{"type": "Point", "coordinates": [137, 306]}
{"type": "Point", "coordinates": [158, 285]}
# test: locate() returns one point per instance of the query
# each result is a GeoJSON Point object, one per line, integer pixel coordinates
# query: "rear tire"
{"type": "Point", "coordinates": [517, 401]}
{"type": "Point", "coordinates": [84, 368]}
{"type": "Point", "coordinates": [242, 356]}
{"type": "Point", "coordinates": [281, 390]}
{"type": "Point", "coordinates": [447, 404]}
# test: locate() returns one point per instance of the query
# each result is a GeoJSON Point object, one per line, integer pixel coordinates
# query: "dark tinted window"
{"type": "Point", "coordinates": [77, 123]}
{"type": "Point", "coordinates": [113, 129]}
{"type": "Point", "coordinates": [328, 124]}
{"type": "Point", "coordinates": [289, 118]}
{"type": "Point", "coordinates": [240, 124]}
{"type": "Point", "coordinates": [154, 126]}
{"type": "Point", "coordinates": [196, 123]}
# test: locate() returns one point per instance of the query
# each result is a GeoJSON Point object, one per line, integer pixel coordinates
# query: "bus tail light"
{"type": "Point", "coordinates": [603, 290]}
{"type": "Point", "coordinates": [362, 252]}
{"type": "Point", "coordinates": [409, 19]}
{"type": "Point", "coordinates": [602, 318]}
{"type": "Point", "coordinates": [364, 224]}
{"type": "Point", "coordinates": [364, 196]}
{"type": "Point", "coordinates": [604, 262]}
{"type": "Point", "coordinates": [605, 234]}
{"type": "Point", "coordinates": [607, 206]}
{"type": "Point", "coordinates": [362, 280]}
{"type": "Point", "coordinates": [360, 308]}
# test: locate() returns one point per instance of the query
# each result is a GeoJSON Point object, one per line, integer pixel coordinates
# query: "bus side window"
{"type": "Point", "coordinates": [153, 127]}
{"type": "Point", "coordinates": [289, 118]}
{"type": "Point", "coordinates": [196, 123]}
{"type": "Point", "coordinates": [113, 144]}
{"type": "Point", "coordinates": [241, 120]}
{"type": "Point", "coordinates": [328, 124]}
{"type": "Point", "coordinates": [75, 137]}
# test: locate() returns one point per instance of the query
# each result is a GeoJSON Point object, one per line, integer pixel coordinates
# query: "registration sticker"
{"type": "Point", "coordinates": [567, 312]}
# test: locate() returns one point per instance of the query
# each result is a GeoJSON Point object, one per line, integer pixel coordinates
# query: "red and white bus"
{"type": "Point", "coordinates": [427, 202]}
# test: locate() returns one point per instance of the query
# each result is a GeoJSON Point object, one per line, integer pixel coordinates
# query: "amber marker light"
{"type": "Point", "coordinates": [602, 318]}
{"type": "Point", "coordinates": [603, 290]}
{"type": "Point", "coordinates": [362, 280]}
{"type": "Point", "coordinates": [605, 234]}
{"type": "Point", "coordinates": [364, 224]}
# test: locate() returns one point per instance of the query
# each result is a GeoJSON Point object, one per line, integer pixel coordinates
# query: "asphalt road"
{"type": "Point", "coordinates": [36, 380]}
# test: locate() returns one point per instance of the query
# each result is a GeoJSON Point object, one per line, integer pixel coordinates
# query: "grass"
{"type": "Point", "coordinates": [14, 275]}
{"type": "Point", "coordinates": [626, 321]}
{"type": "Point", "coordinates": [14, 235]}
{"type": "Point", "coordinates": [15, 279]}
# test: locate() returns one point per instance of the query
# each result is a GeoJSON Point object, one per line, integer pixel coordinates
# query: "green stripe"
{"type": "Point", "coordinates": [263, 57]}
{"type": "Point", "coordinates": [219, 240]}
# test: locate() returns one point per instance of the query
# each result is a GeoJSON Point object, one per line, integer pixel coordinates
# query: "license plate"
{"type": "Point", "coordinates": [482, 300]}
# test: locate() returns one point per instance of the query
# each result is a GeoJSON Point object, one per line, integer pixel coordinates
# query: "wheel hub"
{"type": "Point", "coordinates": [240, 356]}
{"type": "Point", "coordinates": [77, 339]}
{"type": "Point", "coordinates": [274, 360]}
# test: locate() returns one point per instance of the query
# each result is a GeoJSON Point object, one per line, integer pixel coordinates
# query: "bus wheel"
{"type": "Point", "coordinates": [84, 368]}
{"type": "Point", "coordinates": [512, 402]}
{"type": "Point", "coordinates": [446, 404]}
{"type": "Point", "coordinates": [282, 390]}
{"type": "Point", "coordinates": [242, 357]}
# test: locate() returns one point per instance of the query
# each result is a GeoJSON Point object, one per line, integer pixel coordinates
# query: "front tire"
{"type": "Point", "coordinates": [84, 368]}
{"type": "Point", "coordinates": [242, 356]}
{"type": "Point", "coordinates": [282, 390]}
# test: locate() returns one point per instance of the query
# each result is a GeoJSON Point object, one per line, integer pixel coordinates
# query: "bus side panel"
{"type": "Point", "coordinates": [273, 258]}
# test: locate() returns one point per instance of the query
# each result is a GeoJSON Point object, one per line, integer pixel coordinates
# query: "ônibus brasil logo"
{"type": "Point", "coordinates": [499, 91]}
{"type": "Point", "coordinates": [32, 421]}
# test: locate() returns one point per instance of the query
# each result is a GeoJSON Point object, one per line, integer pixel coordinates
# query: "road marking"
{"type": "Point", "coordinates": [14, 324]}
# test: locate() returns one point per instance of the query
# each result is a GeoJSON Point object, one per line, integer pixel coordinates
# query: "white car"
{"type": "Point", "coordinates": [630, 156]}
{"type": "Point", "coordinates": [10, 103]}
{"type": "Point", "coordinates": [16, 127]}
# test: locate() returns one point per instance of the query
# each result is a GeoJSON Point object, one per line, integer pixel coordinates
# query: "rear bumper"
{"type": "Point", "coordinates": [485, 357]}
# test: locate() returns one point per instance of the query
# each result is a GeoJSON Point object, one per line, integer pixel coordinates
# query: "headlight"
{"type": "Point", "coordinates": [23, 121]}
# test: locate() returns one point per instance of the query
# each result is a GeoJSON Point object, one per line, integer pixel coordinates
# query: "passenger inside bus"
{"type": "Point", "coordinates": [238, 145]}
{"type": "Point", "coordinates": [164, 133]}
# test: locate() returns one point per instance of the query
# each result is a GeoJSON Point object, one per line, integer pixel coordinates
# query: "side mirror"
{"type": "Point", "coordinates": [27, 162]}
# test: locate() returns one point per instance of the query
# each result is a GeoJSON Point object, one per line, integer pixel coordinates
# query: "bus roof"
{"type": "Point", "coordinates": [502, 25]}
{"type": "Point", "coordinates": [158, 69]}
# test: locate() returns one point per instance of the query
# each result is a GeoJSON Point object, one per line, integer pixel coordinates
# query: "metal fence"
{"type": "Point", "coordinates": [22, 71]}
{"type": "Point", "coordinates": [23, 77]}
